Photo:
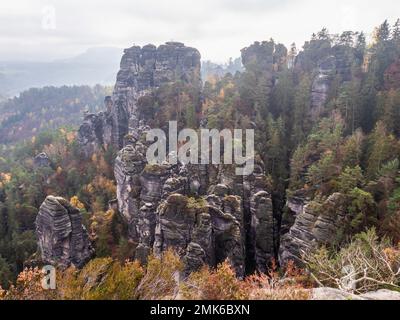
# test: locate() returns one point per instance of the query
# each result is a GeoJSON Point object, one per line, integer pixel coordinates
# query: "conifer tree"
{"type": "Point", "coordinates": [382, 33]}
{"type": "Point", "coordinates": [396, 31]}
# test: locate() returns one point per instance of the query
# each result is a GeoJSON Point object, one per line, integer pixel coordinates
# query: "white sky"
{"type": "Point", "coordinates": [218, 28]}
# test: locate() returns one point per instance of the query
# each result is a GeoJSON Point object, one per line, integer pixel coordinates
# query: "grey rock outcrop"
{"type": "Point", "coordinates": [294, 206]}
{"type": "Point", "coordinates": [382, 294]}
{"type": "Point", "coordinates": [62, 238]}
{"type": "Point", "coordinates": [199, 211]}
{"type": "Point", "coordinates": [42, 160]}
{"type": "Point", "coordinates": [265, 58]}
{"type": "Point", "coordinates": [262, 233]}
{"type": "Point", "coordinates": [141, 71]}
{"type": "Point", "coordinates": [326, 293]}
{"type": "Point", "coordinates": [95, 132]}
{"type": "Point", "coordinates": [262, 226]}
{"type": "Point", "coordinates": [336, 65]}
{"type": "Point", "coordinates": [184, 225]}
{"type": "Point", "coordinates": [314, 225]}
{"type": "Point", "coordinates": [228, 228]}
{"type": "Point", "coordinates": [206, 213]}
{"type": "Point", "coordinates": [321, 85]}
{"type": "Point", "coordinates": [330, 63]}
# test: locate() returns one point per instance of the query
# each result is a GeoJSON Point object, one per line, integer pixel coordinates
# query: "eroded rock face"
{"type": "Point", "coordinates": [42, 160]}
{"type": "Point", "coordinates": [62, 238]}
{"type": "Point", "coordinates": [142, 70]}
{"type": "Point", "coordinates": [315, 225]}
{"type": "Point", "coordinates": [265, 58]}
{"type": "Point", "coordinates": [95, 132]}
{"type": "Point", "coordinates": [186, 227]}
{"type": "Point", "coordinates": [127, 169]}
{"type": "Point", "coordinates": [321, 85]}
{"type": "Point", "coordinates": [294, 206]}
{"type": "Point", "coordinates": [228, 228]}
{"type": "Point", "coordinates": [263, 229]}
{"type": "Point", "coordinates": [329, 63]}
{"type": "Point", "coordinates": [199, 211]}
{"type": "Point", "coordinates": [206, 213]}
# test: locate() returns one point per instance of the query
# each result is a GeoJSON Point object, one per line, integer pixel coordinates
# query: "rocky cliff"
{"type": "Point", "coordinates": [141, 71]}
{"type": "Point", "coordinates": [314, 225]}
{"type": "Point", "coordinates": [328, 64]}
{"type": "Point", "coordinates": [205, 212]}
{"type": "Point", "coordinates": [165, 206]}
{"type": "Point", "coordinates": [265, 58]}
{"type": "Point", "coordinates": [62, 238]}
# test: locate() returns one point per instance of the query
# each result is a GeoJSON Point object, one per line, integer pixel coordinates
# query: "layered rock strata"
{"type": "Point", "coordinates": [62, 238]}
{"type": "Point", "coordinates": [205, 212]}
{"type": "Point", "coordinates": [142, 70]}
{"type": "Point", "coordinates": [314, 225]}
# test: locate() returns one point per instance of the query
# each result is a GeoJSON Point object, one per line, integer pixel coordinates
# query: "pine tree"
{"type": "Point", "coordinates": [301, 111]}
{"type": "Point", "coordinates": [323, 34]}
{"type": "Point", "coordinates": [346, 38]}
{"type": "Point", "coordinates": [360, 46]}
{"type": "Point", "coordinates": [381, 149]}
{"type": "Point", "coordinates": [388, 107]}
{"type": "Point", "coordinates": [396, 32]}
{"type": "Point", "coordinates": [382, 33]}
{"type": "Point", "coordinates": [190, 116]}
{"type": "Point", "coordinates": [292, 55]}
{"type": "Point", "coordinates": [313, 37]}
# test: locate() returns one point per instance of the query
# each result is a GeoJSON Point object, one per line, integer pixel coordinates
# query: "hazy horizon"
{"type": "Point", "coordinates": [39, 30]}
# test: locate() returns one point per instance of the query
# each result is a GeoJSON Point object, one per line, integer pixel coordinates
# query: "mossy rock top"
{"type": "Point", "coordinates": [155, 169]}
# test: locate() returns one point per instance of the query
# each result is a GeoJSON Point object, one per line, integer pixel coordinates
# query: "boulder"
{"type": "Point", "coordinates": [382, 294]}
{"type": "Point", "coordinates": [325, 293]}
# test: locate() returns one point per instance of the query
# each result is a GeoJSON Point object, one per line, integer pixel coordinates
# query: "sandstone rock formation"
{"type": "Point", "coordinates": [262, 229]}
{"type": "Point", "coordinates": [142, 70]}
{"type": "Point", "coordinates": [315, 224]}
{"type": "Point", "coordinates": [265, 58]}
{"type": "Point", "coordinates": [205, 212]}
{"type": "Point", "coordinates": [41, 160]}
{"type": "Point", "coordinates": [62, 238]}
{"type": "Point", "coordinates": [328, 63]}
{"type": "Point", "coordinates": [201, 216]}
{"type": "Point", "coordinates": [321, 85]}
{"type": "Point", "coordinates": [160, 203]}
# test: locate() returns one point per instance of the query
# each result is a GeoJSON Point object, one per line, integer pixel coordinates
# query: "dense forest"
{"type": "Point", "coordinates": [327, 124]}
{"type": "Point", "coordinates": [48, 108]}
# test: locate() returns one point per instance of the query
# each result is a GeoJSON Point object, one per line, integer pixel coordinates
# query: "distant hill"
{"type": "Point", "coordinates": [95, 66]}
{"type": "Point", "coordinates": [211, 69]}
{"type": "Point", "coordinates": [37, 110]}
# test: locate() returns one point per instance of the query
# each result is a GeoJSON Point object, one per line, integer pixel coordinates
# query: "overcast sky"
{"type": "Point", "coordinates": [47, 30]}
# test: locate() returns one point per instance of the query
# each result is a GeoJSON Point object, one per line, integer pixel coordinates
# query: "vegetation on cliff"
{"type": "Point", "coordinates": [327, 126]}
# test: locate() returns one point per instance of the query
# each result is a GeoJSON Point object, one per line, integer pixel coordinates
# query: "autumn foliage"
{"type": "Point", "coordinates": [161, 278]}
